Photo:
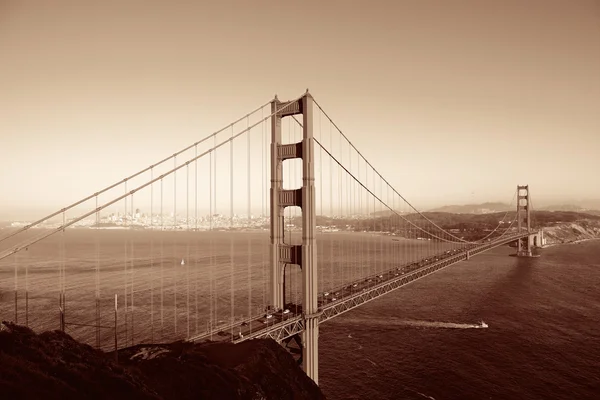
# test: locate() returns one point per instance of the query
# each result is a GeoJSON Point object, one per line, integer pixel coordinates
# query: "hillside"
{"type": "Point", "coordinates": [52, 365]}
{"type": "Point", "coordinates": [467, 226]}
{"type": "Point", "coordinates": [484, 208]}
{"type": "Point", "coordinates": [568, 232]}
{"type": "Point", "coordinates": [590, 207]}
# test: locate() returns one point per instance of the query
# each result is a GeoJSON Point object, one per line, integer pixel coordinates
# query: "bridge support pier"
{"type": "Point", "coordinates": [310, 347]}
{"type": "Point", "coordinates": [537, 239]}
{"type": "Point", "coordinates": [304, 255]}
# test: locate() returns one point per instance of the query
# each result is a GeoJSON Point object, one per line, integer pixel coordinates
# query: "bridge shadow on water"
{"type": "Point", "coordinates": [515, 286]}
{"type": "Point", "coordinates": [475, 355]}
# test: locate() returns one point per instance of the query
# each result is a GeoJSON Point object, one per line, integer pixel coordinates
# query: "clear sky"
{"type": "Point", "coordinates": [454, 101]}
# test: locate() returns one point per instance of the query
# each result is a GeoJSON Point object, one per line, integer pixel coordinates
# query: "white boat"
{"type": "Point", "coordinates": [182, 262]}
{"type": "Point", "coordinates": [483, 325]}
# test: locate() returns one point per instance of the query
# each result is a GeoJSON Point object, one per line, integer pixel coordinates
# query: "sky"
{"type": "Point", "coordinates": [452, 101]}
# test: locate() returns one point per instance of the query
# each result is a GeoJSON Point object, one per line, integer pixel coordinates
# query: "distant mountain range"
{"type": "Point", "coordinates": [570, 207]}
{"type": "Point", "coordinates": [484, 208]}
{"type": "Point", "coordinates": [489, 208]}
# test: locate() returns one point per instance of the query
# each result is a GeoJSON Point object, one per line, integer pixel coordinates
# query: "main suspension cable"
{"type": "Point", "coordinates": [459, 240]}
{"type": "Point", "coordinates": [119, 198]}
{"type": "Point", "coordinates": [384, 180]}
{"type": "Point", "coordinates": [214, 134]}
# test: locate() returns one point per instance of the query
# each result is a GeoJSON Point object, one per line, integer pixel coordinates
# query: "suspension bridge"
{"type": "Point", "coordinates": [264, 229]}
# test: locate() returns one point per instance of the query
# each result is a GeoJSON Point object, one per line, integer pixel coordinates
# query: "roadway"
{"type": "Point", "coordinates": [283, 324]}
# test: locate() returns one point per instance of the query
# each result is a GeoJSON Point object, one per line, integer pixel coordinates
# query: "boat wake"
{"type": "Point", "coordinates": [415, 323]}
{"type": "Point", "coordinates": [445, 325]}
{"type": "Point", "coordinates": [424, 395]}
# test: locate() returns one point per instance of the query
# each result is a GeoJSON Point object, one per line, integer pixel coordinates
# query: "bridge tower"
{"type": "Point", "coordinates": [305, 254]}
{"type": "Point", "coordinates": [525, 245]}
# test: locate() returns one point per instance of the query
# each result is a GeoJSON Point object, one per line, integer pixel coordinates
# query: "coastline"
{"type": "Point", "coordinates": [577, 241]}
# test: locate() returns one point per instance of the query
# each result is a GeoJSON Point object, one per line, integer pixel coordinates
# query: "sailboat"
{"type": "Point", "coordinates": [182, 262]}
{"type": "Point", "coordinates": [483, 325]}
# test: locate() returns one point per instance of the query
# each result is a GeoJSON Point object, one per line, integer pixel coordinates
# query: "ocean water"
{"type": "Point", "coordinates": [419, 342]}
{"type": "Point", "coordinates": [172, 285]}
{"type": "Point", "coordinates": [422, 341]}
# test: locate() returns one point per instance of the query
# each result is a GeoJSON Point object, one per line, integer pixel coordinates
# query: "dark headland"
{"type": "Point", "coordinates": [52, 365]}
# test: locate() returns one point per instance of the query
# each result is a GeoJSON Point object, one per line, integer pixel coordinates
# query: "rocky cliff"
{"type": "Point", "coordinates": [567, 232]}
{"type": "Point", "coordinates": [52, 365]}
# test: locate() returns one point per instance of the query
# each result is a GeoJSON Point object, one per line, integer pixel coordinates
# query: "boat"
{"type": "Point", "coordinates": [483, 325]}
{"type": "Point", "coordinates": [182, 262]}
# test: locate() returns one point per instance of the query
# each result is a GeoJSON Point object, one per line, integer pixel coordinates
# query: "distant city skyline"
{"type": "Point", "coordinates": [454, 102]}
{"type": "Point", "coordinates": [32, 214]}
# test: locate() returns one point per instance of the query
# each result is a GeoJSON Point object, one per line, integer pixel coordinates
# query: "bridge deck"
{"type": "Point", "coordinates": [280, 326]}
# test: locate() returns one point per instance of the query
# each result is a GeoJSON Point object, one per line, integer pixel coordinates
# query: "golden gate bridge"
{"type": "Point", "coordinates": [264, 229]}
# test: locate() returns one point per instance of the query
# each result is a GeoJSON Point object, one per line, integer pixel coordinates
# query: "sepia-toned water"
{"type": "Point", "coordinates": [422, 341]}
{"type": "Point", "coordinates": [543, 339]}
{"type": "Point", "coordinates": [172, 285]}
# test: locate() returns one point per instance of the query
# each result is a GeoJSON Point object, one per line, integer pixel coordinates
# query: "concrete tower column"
{"type": "Point", "coordinates": [310, 349]}
{"type": "Point", "coordinates": [305, 254]}
{"type": "Point", "coordinates": [277, 217]}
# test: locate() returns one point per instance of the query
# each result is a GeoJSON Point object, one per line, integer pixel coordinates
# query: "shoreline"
{"type": "Point", "coordinates": [577, 241]}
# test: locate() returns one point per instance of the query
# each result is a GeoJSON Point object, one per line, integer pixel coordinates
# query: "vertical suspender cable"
{"type": "Point", "coordinates": [125, 267]}
{"type": "Point", "coordinates": [322, 258]}
{"type": "Point", "coordinates": [16, 263]}
{"type": "Point", "coordinates": [196, 249]}
{"type": "Point", "coordinates": [373, 236]}
{"type": "Point", "coordinates": [152, 257]}
{"type": "Point", "coordinates": [162, 257]}
{"type": "Point", "coordinates": [350, 203]}
{"type": "Point", "coordinates": [187, 261]}
{"type": "Point", "coordinates": [249, 266]}
{"type": "Point", "coordinates": [393, 233]}
{"type": "Point", "coordinates": [436, 242]}
{"type": "Point", "coordinates": [175, 270]}
{"type": "Point", "coordinates": [404, 248]}
{"type": "Point", "coordinates": [131, 273]}
{"type": "Point", "coordinates": [411, 244]}
{"type": "Point", "coordinates": [341, 253]}
{"type": "Point", "coordinates": [407, 243]}
{"type": "Point", "coordinates": [381, 229]}
{"type": "Point", "coordinates": [331, 217]}
{"type": "Point", "coordinates": [413, 234]}
{"type": "Point", "coordinates": [64, 273]}
{"type": "Point", "coordinates": [330, 264]}
{"type": "Point", "coordinates": [296, 271]}
{"type": "Point", "coordinates": [27, 262]}
{"type": "Point", "coordinates": [292, 211]}
{"type": "Point", "coordinates": [97, 276]}
{"type": "Point", "coordinates": [60, 256]}
{"type": "Point", "coordinates": [358, 193]}
{"type": "Point", "coordinates": [388, 241]}
{"type": "Point", "coordinates": [231, 244]}
{"type": "Point", "coordinates": [293, 270]}
{"type": "Point", "coordinates": [364, 227]}
{"type": "Point", "coordinates": [368, 225]}
{"type": "Point", "coordinates": [265, 245]}
{"type": "Point", "coordinates": [395, 221]}
{"type": "Point", "coordinates": [377, 223]}
{"type": "Point", "coordinates": [210, 267]}
{"type": "Point", "coordinates": [216, 294]}
{"type": "Point", "coordinates": [287, 230]}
